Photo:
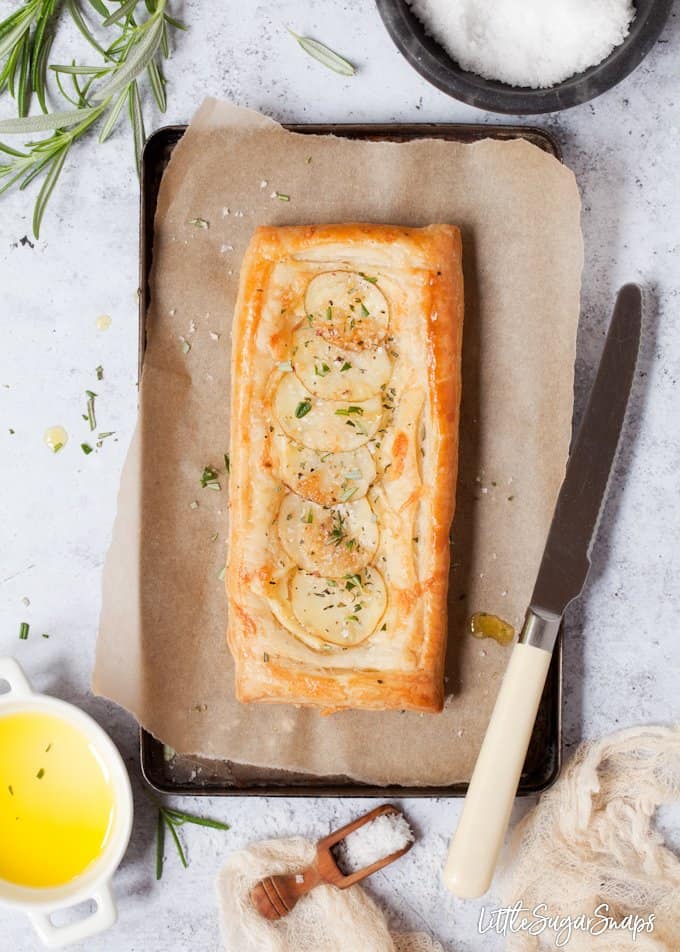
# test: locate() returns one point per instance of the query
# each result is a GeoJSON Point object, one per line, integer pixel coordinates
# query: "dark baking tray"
{"type": "Point", "coordinates": [198, 776]}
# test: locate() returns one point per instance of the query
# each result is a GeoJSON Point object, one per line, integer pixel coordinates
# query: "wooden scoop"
{"type": "Point", "coordinates": [275, 896]}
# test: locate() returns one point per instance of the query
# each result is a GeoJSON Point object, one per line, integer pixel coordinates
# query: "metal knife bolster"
{"type": "Point", "coordinates": [540, 629]}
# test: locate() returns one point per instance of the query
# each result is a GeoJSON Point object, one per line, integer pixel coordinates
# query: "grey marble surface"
{"type": "Point", "coordinates": [56, 512]}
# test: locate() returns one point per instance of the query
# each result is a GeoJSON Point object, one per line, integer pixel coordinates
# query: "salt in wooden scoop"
{"type": "Point", "coordinates": [275, 896]}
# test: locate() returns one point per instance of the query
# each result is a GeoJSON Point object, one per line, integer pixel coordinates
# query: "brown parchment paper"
{"type": "Point", "coordinates": [161, 650]}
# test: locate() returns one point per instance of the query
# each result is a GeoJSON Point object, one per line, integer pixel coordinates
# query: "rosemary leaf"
{"type": "Point", "coordinates": [112, 117]}
{"type": "Point", "coordinates": [142, 53]}
{"type": "Point", "coordinates": [324, 55]}
{"type": "Point", "coordinates": [53, 120]}
{"type": "Point", "coordinates": [47, 188]}
{"type": "Point", "coordinates": [157, 82]}
{"type": "Point", "coordinates": [180, 816]}
{"type": "Point", "coordinates": [137, 120]}
{"type": "Point", "coordinates": [123, 12]}
{"type": "Point", "coordinates": [79, 21]}
{"type": "Point", "coordinates": [173, 833]}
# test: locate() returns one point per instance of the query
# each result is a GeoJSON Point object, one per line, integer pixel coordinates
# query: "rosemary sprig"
{"type": "Point", "coordinates": [98, 93]}
{"type": "Point", "coordinates": [324, 54]}
{"type": "Point", "coordinates": [170, 819]}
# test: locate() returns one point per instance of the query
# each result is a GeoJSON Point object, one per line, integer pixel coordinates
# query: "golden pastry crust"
{"type": "Point", "coordinates": [346, 388]}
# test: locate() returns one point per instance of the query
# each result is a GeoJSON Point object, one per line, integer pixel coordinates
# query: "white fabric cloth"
{"type": "Point", "coordinates": [325, 920]}
{"type": "Point", "coordinates": [591, 840]}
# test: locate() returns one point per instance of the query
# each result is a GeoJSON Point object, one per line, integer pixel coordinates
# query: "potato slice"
{"type": "Point", "coordinates": [328, 542]}
{"type": "Point", "coordinates": [337, 373]}
{"type": "Point", "coordinates": [324, 478]}
{"type": "Point", "coordinates": [325, 425]}
{"type": "Point", "coordinates": [347, 309]}
{"type": "Point", "coordinates": [343, 611]}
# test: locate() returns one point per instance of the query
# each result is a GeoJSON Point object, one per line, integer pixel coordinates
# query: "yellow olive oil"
{"type": "Point", "coordinates": [56, 800]}
{"type": "Point", "coordinates": [484, 625]}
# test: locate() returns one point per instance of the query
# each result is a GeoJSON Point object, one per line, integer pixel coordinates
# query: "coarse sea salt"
{"type": "Point", "coordinates": [381, 837]}
{"type": "Point", "coordinates": [534, 43]}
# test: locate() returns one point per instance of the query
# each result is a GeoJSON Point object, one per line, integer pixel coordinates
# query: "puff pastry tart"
{"type": "Point", "coordinates": [344, 439]}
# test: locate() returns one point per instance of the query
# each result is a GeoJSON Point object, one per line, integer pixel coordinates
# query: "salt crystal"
{"type": "Point", "coordinates": [374, 841]}
{"type": "Point", "coordinates": [534, 43]}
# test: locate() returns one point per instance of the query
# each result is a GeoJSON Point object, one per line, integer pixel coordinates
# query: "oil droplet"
{"type": "Point", "coordinates": [103, 322]}
{"type": "Point", "coordinates": [484, 625]}
{"type": "Point", "coordinates": [56, 438]}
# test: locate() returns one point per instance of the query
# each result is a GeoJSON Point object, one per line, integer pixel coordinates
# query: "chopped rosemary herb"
{"type": "Point", "coordinates": [348, 493]}
{"type": "Point", "coordinates": [322, 371]}
{"type": "Point", "coordinates": [308, 517]}
{"type": "Point", "coordinates": [170, 819]}
{"type": "Point", "coordinates": [41, 773]}
{"type": "Point", "coordinates": [367, 278]}
{"type": "Point", "coordinates": [199, 222]}
{"type": "Point", "coordinates": [337, 532]}
{"type": "Point", "coordinates": [329, 313]}
{"type": "Point", "coordinates": [227, 462]}
{"type": "Point", "coordinates": [346, 412]}
{"type": "Point", "coordinates": [86, 448]}
{"type": "Point", "coordinates": [303, 408]}
{"type": "Point", "coordinates": [364, 310]}
{"type": "Point", "coordinates": [282, 197]}
{"type": "Point", "coordinates": [91, 419]}
{"type": "Point", "coordinates": [265, 657]}
{"type": "Point", "coordinates": [24, 628]}
{"type": "Point", "coordinates": [99, 372]}
{"type": "Point", "coordinates": [345, 366]}
{"type": "Point", "coordinates": [209, 478]}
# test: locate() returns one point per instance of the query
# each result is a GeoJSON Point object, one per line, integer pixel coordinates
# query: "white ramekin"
{"type": "Point", "coordinates": [95, 882]}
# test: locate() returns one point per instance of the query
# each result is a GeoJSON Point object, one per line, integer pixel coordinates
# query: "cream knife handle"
{"type": "Point", "coordinates": [477, 842]}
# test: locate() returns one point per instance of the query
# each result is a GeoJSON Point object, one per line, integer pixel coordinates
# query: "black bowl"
{"type": "Point", "coordinates": [435, 64]}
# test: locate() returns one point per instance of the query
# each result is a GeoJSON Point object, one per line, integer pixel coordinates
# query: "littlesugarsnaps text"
{"type": "Point", "coordinates": [507, 920]}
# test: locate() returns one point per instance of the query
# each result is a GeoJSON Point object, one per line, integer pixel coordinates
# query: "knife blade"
{"type": "Point", "coordinates": [561, 576]}
{"type": "Point", "coordinates": [566, 557]}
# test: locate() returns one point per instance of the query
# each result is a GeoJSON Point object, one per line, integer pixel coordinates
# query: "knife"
{"type": "Point", "coordinates": [473, 853]}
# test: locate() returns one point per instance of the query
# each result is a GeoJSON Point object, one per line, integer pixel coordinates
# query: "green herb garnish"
{"type": "Point", "coordinates": [337, 532]}
{"type": "Point", "coordinates": [324, 55]}
{"type": "Point", "coordinates": [282, 197]}
{"type": "Point", "coordinates": [98, 94]}
{"type": "Point", "coordinates": [209, 478]}
{"type": "Point", "coordinates": [99, 372]}
{"type": "Point", "coordinates": [364, 310]}
{"type": "Point", "coordinates": [86, 448]}
{"type": "Point", "coordinates": [350, 410]}
{"type": "Point", "coordinates": [345, 366]}
{"type": "Point", "coordinates": [91, 419]}
{"type": "Point", "coordinates": [199, 222]}
{"type": "Point", "coordinates": [24, 629]}
{"type": "Point", "coordinates": [40, 774]}
{"type": "Point", "coordinates": [303, 408]}
{"type": "Point", "coordinates": [367, 278]}
{"type": "Point", "coordinates": [322, 371]}
{"type": "Point", "coordinates": [227, 462]}
{"type": "Point", "coordinates": [172, 819]}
